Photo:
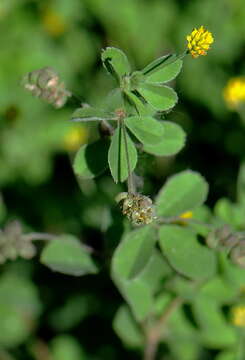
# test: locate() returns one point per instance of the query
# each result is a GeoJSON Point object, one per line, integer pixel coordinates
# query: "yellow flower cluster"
{"type": "Point", "coordinates": [74, 138]}
{"type": "Point", "coordinates": [234, 92]}
{"type": "Point", "coordinates": [199, 41]}
{"type": "Point", "coordinates": [238, 315]}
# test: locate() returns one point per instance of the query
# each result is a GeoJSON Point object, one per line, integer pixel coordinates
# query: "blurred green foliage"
{"type": "Point", "coordinates": [44, 315]}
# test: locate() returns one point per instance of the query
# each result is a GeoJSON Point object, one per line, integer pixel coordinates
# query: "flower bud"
{"type": "Point", "coordinates": [45, 83]}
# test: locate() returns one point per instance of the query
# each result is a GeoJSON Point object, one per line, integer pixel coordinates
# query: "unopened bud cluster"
{"type": "Point", "coordinates": [13, 244]}
{"type": "Point", "coordinates": [45, 84]}
{"type": "Point", "coordinates": [223, 239]}
{"type": "Point", "coordinates": [138, 209]}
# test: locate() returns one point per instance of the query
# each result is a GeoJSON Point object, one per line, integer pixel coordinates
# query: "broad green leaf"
{"type": "Point", "coordinates": [116, 62]}
{"type": "Point", "coordinates": [91, 159]}
{"type": "Point", "coordinates": [162, 98]}
{"type": "Point", "coordinates": [214, 330]}
{"type": "Point", "coordinates": [165, 74]}
{"type": "Point", "coordinates": [88, 113]}
{"type": "Point", "coordinates": [157, 64]}
{"type": "Point", "coordinates": [182, 192]}
{"type": "Point", "coordinates": [137, 270]}
{"type": "Point", "coordinates": [19, 309]}
{"type": "Point", "coordinates": [67, 255]}
{"type": "Point", "coordinates": [147, 129]}
{"type": "Point", "coordinates": [173, 141]}
{"type": "Point", "coordinates": [184, 253]}
{"type": "Point", "coordinates": [66, 347]}
{"type": "Point", "coordinates": [117, 156]}
{"type": "Point", "coordinates": [127, 329]}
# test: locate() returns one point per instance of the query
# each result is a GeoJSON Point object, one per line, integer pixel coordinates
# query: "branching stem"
{"type": "Point", "coordinates": [153, 334]}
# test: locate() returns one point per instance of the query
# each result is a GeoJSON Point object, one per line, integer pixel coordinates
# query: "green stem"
{"type": "Point", "coordinates": [131, 187]}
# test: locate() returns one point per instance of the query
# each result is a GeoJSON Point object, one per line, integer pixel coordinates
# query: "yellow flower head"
{"type": "Point", "coordinates": [238, 315]}
{"type": "Point", "coordinates": [199, 41]}
{"type": "Point", "coordinates": [186, 215]}
{"type": "Point", "coordinates": [234, 92]}
{"type": "Point", "coordinates": [74, 138]}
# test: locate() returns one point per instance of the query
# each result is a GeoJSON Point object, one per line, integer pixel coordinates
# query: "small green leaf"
{"type": "Point", "coordinates": [147, 129]}
{"type": "Point", "coordinates": [133, 252]}
{"type": "Point", "coordinates": [67, 255]}
{"type": "Point", "coordinates": [117, 156]}
{"type": "Point", "coordinates": [91, 159]}
{"type": "Point", "coordinates": [127, 329]}
{"type": "Point", "coordinates": [173, 141]}
{"type": "Point", "coordinates": [214, 329]}
{"type": "Point", "coordinates": [19, 308]}
{"type": "Point", "coordinates": [137, 270]}
{"type": "Point", "coordinates": [116, 62]}
{"type": "Point", "coordinates": [165, 74]}
{"type": "Point", "coordinates": [162, 98]}
{"type": "Point", "coordinates": [185, 254]}
{"type": "Point", "coordinates": [183, 191]}
{"type": "Point", "coordinates": [88, 113]}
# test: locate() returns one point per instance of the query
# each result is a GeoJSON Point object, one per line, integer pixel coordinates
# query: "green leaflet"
{"type": "Point", "coordinates": [116, 62]}
{"type": "Point", "coordinates": [117, 156]}
{"type": "Point", "coordinates": [183, 191]}
{"type": "Point", "coordinates": [67, 255]}
{"type": "Point", "coordinates": [162, 98]}
{"type": "Point", "coordinates": [185, 254]}
{"type": "Point", "coordinates": [147, 129]}
{"type": "Point", "coordinates": [173, 140]}
{"type": "Point", "coordinates": [91, 159]}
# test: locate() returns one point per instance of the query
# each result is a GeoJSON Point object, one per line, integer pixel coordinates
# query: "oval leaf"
{"type": "Point", "coordinates": [147, 129]}
{"type": "Point", "coordinates": [66, 255]}
{"type": "Point", "coordinates": [160, 97]}
{"type": "Point", "coordinates": [117, 155]}
{"type": "Point", "coordinates": [182, 192]}
{"type": "Point", "coordinates": [116, 62]}
{"type": "Point", "coordinates": [185, 254]}
{"type": "Point", "coordinates": [134, 270]}
{"type": "Point", "coordinates": [173, 141]}
{"type": "Point", "coordinates": [165, 74]}
{"type": "Point", "coordinates": [91, 159]}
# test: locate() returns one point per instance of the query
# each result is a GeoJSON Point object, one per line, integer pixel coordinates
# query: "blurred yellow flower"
{"type": "Point", "coordinates": [53, 23]}
{"type": "Point", "coordinates": [199, 41]}
{"type": "Point", "coordinates": [238, 315]}
{"type": "Point", "coordinates": [234, 92]}
{"type": "Point", "coordinates": [74, 138]}
{"type": "Point", "coordinates": [186, 215]}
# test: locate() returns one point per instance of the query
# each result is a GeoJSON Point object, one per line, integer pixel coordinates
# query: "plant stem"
{"type": "Point", "coordinates": [131, 187]}
{"type": "Point", "coordinates": [39, 236]}
{"type": "Point", "coordinates": [153, 334]}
